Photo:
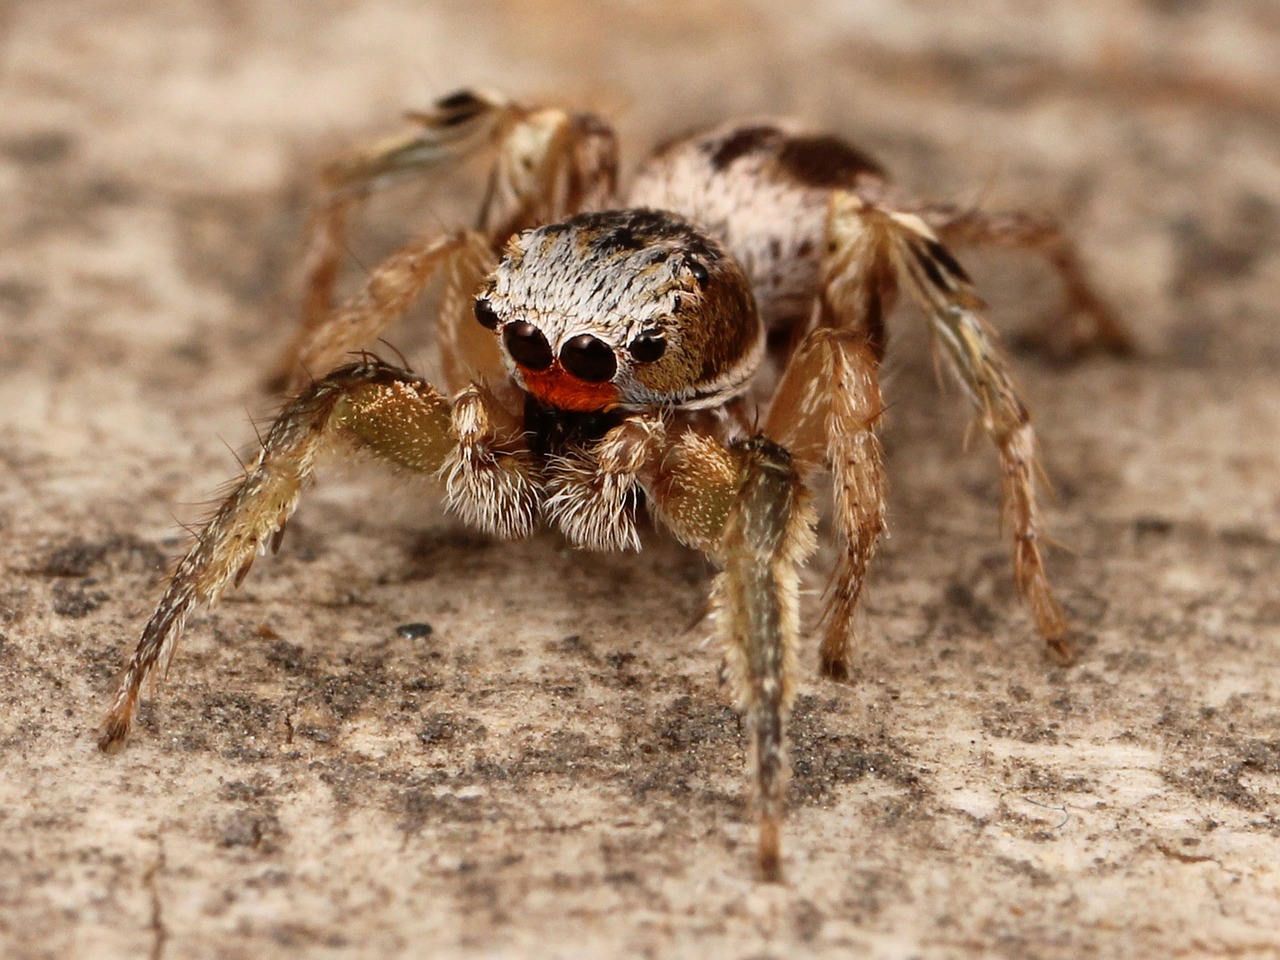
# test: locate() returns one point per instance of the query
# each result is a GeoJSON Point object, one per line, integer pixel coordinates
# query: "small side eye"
{"type": "Point", "coordinates": [699, 271]}
{"type": "Point", "coordinates": [485, 314]}
{"type": "Point", "coordinates": [647, 347]}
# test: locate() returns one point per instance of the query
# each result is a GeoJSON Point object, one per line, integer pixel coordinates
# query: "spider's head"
{"type": "Point", "coordinates": [626, 308]}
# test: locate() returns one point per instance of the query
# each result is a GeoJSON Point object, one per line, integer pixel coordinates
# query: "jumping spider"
{"type": "Point", "coordinates": [705, 346]}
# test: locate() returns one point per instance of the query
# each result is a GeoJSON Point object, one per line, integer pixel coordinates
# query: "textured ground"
{"type": "Point", "coordinates": [553, 771]}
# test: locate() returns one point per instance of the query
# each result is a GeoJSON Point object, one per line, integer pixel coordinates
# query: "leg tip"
{"type": "Point", "coordinates": [113, 735]}
{"type": "Point", "coordinates": [769, 860]}
{"type": "Point", "coordinates": [1097, 331]}
{"type": "Point", "coordinates": [1061, 649]}
{"type": "Point", "coordinates": [836, 668]}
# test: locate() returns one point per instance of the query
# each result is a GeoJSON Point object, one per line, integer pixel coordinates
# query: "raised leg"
{"type": "Point", "coordinates": [469, 353]}
{"type": "Point", "coordinates": [939, 283]}
{"type": "Point", "coordinates": [457, 127]}
{"type": "Point", "coordinates": [396, 416]}
{"type": "Point", "coordinates": [1093, 324]}
{"type": "Point", "coordinates": [391, 289]}
{"type": "Point", "coordinates": [549, 164]}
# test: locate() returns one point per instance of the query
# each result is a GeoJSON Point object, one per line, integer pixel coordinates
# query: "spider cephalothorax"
{"type": "Point", "coordinates": [600, 352]}
{"type": "Point", "coordinates": [623, 308]}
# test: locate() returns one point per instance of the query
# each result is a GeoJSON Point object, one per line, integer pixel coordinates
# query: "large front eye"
{"type": "Point", "coordinates": [589, 358]}
{"type": "Point", "coordinates": [486, 314]}
{"type": "Point", "coordinates": [648, 347]}
{"type": "Point", "coordinates": [527, 345]}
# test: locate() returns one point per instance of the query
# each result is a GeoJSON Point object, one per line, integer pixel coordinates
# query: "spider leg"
{"type": "Point", "coordinates": [398, 417]}
{"type": "Point", "coordinates": [458, 126]}
{"type": "Point", "coordinates": [468, 352]}
{"type": "Point", "coordinates": [391, 289]}
{"type": "Point", "coordinates": [825, 411]}
{"type": "Point", "coordinates": [768, 534]}
{"type": "Point", "coordinates": [956, 320]}
{"type": "Point", "coordinates": [549, 164]}
{"type": "Point", "coordinates": [491, 479]}
{"type": "Point", "coordinates": [744, 505]}
{"type": "Point", "coordinates": [1094, 324]}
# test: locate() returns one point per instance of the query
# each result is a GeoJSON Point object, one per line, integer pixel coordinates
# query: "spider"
{"type": "Point", "coordinates": [704, 347]}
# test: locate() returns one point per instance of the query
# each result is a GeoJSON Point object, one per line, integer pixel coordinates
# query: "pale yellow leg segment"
{"type": "Point", "coordinates": [469, 352]}
{"type": "Point", "coordinates": [692, 487]}
{"type": "Point", "coordinates": [959, 327]}
{"type": "Point", "coordinates": [395, 415]}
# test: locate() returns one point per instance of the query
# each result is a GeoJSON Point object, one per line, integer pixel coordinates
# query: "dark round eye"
{"type": "Point", "coordinates": [648, 347]}
{"type": "Point", "coordinates": [699, 271]}
{"type": "Point", "coordinates": [485, 314]}
{"type": "Point", "coordinates": [589, 359]}
{"type": "Point", "coordinates": [527, 345]}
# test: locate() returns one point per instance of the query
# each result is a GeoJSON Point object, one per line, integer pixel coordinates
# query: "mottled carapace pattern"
{"type": "Point", "coordinates": [705, 347]}
{"type": "Point", "coordinates": [623, 275]}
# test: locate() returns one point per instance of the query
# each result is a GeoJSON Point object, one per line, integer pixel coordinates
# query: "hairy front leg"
{"type": "Point", "coordinates": [492, 480]}
{"type": "Point", "coordinates": [745, 505]}
{"type": "Point", "coordinates": [593, 492]}
{"type": "Point", "coordinates": [768, 534]}
{"type": "Point", "coordinates": [398, 417]}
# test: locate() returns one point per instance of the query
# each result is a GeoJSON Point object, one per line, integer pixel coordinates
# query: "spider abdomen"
{"type": "Point", "coordinates": [762, 189]}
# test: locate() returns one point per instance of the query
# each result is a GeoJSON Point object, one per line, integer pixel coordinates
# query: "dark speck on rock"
{"type": "Point", "coordinates": [415, 631]}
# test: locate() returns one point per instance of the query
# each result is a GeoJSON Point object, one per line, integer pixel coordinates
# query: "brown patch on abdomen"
{"type": "Point", "coordinates": [740, 143]}
{"type": "Point", "coordinates": [825, 162]}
